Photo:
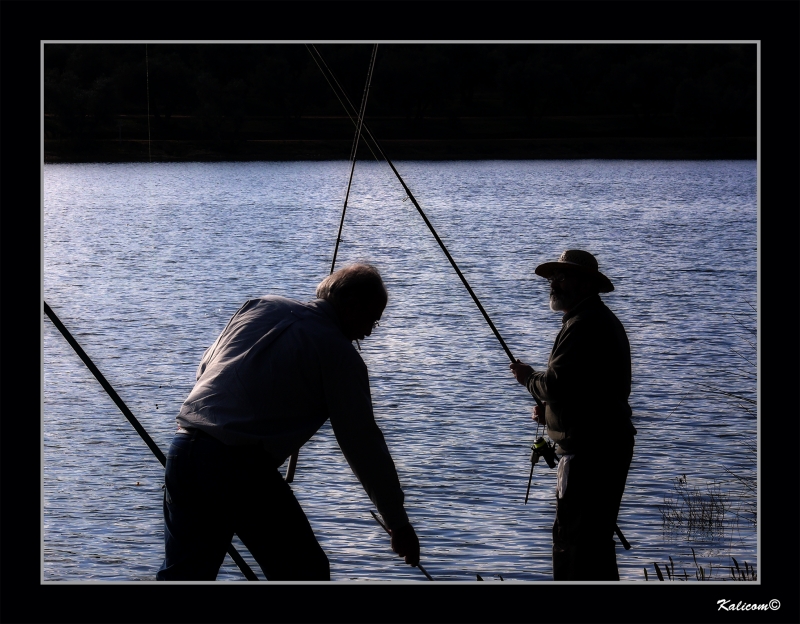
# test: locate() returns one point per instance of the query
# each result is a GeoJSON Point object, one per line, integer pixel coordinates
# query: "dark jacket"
{"type": "Point", "coordinates": [588, 380]}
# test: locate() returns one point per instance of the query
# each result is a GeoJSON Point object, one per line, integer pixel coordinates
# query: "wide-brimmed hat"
{"type": "Point", "coordinates": [579, 261]}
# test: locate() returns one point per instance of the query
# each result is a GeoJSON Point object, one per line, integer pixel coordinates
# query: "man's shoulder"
{"type": "Point", "coordinates": [264, 311]}
{"type": "Point", "coordinates": [274, 300]}
{"type": "Point", "coordinates": [272, 304]}
{"type": "Point", "coordinates": [591, 312]}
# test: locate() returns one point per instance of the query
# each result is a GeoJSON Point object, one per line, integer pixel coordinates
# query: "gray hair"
{"type": "Point", "coordinates": [359, 281]}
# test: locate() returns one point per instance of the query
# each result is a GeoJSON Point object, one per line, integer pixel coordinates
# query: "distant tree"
{"type": "Point", "coordinates": [414, 80]}
{"type": "Point", "coordinates": [269, 80]}
{"type": "Point", "coordinates": [711, 87]}
{"type": "Point", "coordinates": [209, 96]}
{"type": "Point", "coordinates": [171, 84]}
{"type": "Point", "coordinates": [233, 98]}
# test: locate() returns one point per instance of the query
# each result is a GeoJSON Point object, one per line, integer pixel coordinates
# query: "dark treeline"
{"type": "Point", "coordinates": [262, 92]}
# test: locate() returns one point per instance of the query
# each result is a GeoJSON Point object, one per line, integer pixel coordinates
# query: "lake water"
{"type": "Point", "coordinates": [145, 263]}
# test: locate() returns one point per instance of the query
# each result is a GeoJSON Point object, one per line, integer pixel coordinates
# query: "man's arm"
{"type": "Point", "coordinates": [569, 366]}
{"type": "Point", "coordinates": [364, 447]}
{"type": "Point", "coordinates": [361, 440]}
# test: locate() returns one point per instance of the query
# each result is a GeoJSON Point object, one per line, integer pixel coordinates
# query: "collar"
{"type": "Point", "coordinates": [327, 310]}
{"type": "Point", "coordinates": [583, 304]}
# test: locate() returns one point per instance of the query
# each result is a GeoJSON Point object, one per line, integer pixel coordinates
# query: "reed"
{"type": "Point", "coordinates": [688, 508]}
{"type": "Point", "coordinates": [748, 574]}
{"type": "Point", "coordinates": [737, 573]}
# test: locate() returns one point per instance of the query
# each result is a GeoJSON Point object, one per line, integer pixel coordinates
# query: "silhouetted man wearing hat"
{"type": "Point", "coordinates": [585, 390]}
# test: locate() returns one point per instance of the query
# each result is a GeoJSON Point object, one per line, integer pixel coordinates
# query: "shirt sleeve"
{"type": "Point", "coordinates": [362, 443]}
{"type": "Point", "coordinates": [568, 368]}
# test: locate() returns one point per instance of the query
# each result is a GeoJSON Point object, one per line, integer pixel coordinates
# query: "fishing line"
{"type": "Point", "coordinates": [249, 574]}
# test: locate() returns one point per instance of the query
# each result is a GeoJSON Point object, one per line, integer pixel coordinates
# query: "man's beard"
{"type": "Point", "coordinates": [560, 302]}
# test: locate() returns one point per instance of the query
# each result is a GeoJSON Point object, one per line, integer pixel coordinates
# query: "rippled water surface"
{"type": "Point", "coordinates": [145, 263]}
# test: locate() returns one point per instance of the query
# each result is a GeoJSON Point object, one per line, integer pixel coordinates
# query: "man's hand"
{"type": "Point", "coordinates": [521, 371]}
{"type": "Point", "coordinates": [406, 544]}
{"type": "Point", "coordinates": [538, 415]}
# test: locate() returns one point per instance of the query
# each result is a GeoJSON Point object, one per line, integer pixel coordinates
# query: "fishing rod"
{"type": "Point", "coordinates": [249, 574]}
{"type": "Point", "coordinates": [413, 199]}
{"type": "Point", "coordinates": [385, 528]}
{"type": "Point", "coordinates": [292, 467]}
{"type": "Point", "coordinates": [341, 95]}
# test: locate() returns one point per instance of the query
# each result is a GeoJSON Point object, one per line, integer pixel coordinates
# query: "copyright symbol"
{"type": "Point", "coordinates": [774, 605]}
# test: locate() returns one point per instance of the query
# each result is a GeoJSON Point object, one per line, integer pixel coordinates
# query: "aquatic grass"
{"type": "Point", "coordinates": [748, 574]}
{"type": "Point", "coordinates": [688, 508]}
{"type": "Point", "coordinates": [701, 573]}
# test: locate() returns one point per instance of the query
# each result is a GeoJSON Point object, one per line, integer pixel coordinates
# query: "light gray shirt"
{"type": "Point", "coordinates": [275, 374]}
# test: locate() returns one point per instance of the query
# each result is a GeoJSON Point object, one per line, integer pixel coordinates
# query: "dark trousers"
{"type": "Point", "coordinates": [213, 491]}
{"type": "Point", "coordinates": [583, 532]}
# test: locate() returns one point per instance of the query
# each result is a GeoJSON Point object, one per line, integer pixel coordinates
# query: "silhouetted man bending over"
{"type": "Point", "coordinates": [275, 374]}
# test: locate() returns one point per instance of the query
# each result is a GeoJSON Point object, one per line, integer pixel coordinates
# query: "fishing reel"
{"type": "Point", "coordinates": [543, 448]}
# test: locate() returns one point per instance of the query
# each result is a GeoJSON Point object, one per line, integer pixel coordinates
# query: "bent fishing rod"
{"type": "Point", "coordinates": [249, 574]}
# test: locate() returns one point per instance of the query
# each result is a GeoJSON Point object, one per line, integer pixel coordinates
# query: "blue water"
{"type": "Point", "coordinates": [145, 263]}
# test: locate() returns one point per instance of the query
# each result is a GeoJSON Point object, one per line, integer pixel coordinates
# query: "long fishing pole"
{"type": "Point", "coordinates": [249, 574]}
{"type": "Point", "coordinates": [338, 89]}
{"type": "Point", "coordinates": [292, 467]}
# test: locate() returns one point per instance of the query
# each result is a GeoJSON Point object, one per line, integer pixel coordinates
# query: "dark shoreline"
{"type": "Point", "coordinates": [623, 148]}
